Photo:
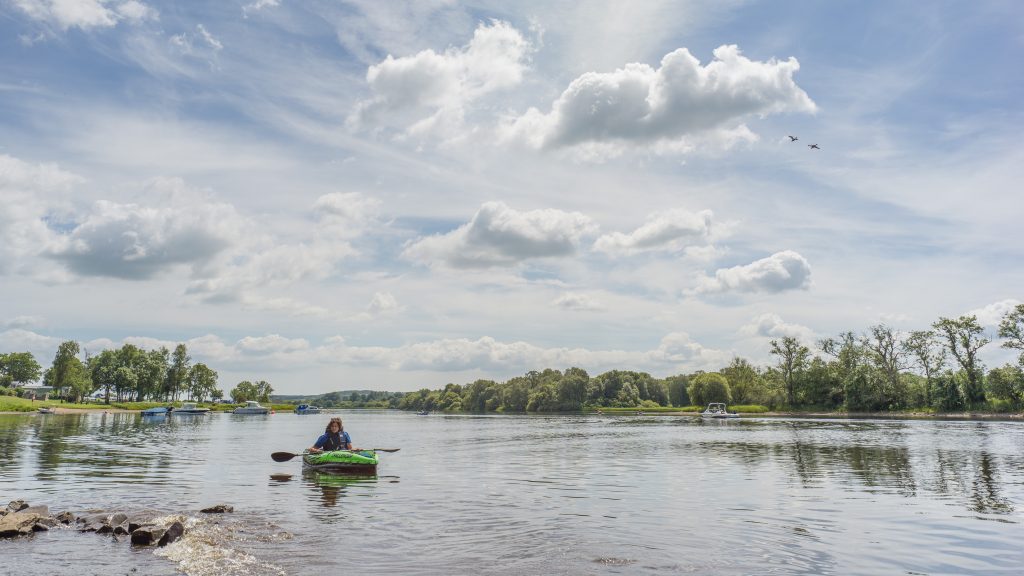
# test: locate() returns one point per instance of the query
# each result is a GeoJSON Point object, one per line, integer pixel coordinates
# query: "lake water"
{"type": "Point", "coordinates": [527, 495]}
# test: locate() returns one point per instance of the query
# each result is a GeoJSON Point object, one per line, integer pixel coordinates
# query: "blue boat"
{"type": "Point", "coordinates": [158, 411]}
{"type": "Point", "coordinates": [306, 409]}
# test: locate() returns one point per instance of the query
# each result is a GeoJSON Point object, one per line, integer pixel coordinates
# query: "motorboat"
{"type": "Point", "coordinates": [47, 411]}
{"type": "Point", "coordinates": [306, 409]}
{"type": "Point", "coordinates": [188, 409]}
{"type": "Point", "coordinates": [157, 411]}
{"type": "Point", "coordinates": [251, 407]}
{"type": "Point", "coordinates": [718, 410]}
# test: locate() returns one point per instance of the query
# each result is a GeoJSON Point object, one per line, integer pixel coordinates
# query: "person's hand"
{"type": "Point", "coordinates": [315, 450]}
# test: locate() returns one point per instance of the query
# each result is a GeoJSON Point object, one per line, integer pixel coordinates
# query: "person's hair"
{"type": "Point", "coordinates": [334, 420]}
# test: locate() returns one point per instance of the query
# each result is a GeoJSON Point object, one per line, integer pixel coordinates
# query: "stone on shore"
{"type": "Point", "coordinates": [16, 506]}
{"type": "Point", "coordinates": [174, 531]}
{"type": "Point", "coordinates": [147, 535]}
{"type": "Point", "coordinates": [218, 509]}
{"type": "Point", "coordinates": [19, 524]}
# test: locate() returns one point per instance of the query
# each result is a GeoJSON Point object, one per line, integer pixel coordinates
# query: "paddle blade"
{"type": "Point", "coordinates": [386, 449]}
{"type": "Point", "coordinates": [282, 456]}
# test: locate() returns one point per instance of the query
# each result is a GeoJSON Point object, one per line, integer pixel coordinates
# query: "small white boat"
{"type": "Point", "coordinates": [306, 409]}
{"type": "Point", "coordinates": [251, 407]}
{"type": "Point", "coordinates": [718, 410]}
{"type": "Point", "coordinates": [187, 409]}
{"type": "Point", "coordinates": [47, 411]}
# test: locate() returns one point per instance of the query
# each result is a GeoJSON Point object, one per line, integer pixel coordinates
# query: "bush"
{"type": "Point", "coordinates": [709, 387]}
{"type": "Point", "coordinates": [5, 391]}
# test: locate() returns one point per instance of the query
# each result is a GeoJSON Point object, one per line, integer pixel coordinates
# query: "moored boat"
{"type": "Point", "coordinates": [718, 410]}
{"type": "Point", "coordinates": [188, 409]}
{"type": "Point", "coordinates": [306, 409]}
{"type": "Point", "coordinates": [47, 411]}
{"type": "Point", "coordinates": [251, 407]}
{"type": "Point", "coordinates": [341, 461]}
{"type": "Point", "coordinates": [157, 411]}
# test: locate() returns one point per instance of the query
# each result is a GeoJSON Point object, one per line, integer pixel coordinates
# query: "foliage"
{"type": "Point", "coordinates": [1007, 383]}
{"type": "Point", "coordinates": [963, 338]}
{"type": "Point", "coordinates": [793, 358]}
{"type": "Point", "coordinates": [709, 387]}
{"type": "Point", "coordinates": [18, 368]}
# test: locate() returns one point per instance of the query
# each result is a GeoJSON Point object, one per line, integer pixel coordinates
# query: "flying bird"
{"type": "Point", "coordinates": [793, 138]}
{"type": "Point", "coordinates": [813, 147]}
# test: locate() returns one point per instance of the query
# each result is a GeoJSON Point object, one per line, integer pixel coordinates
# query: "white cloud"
{"type": "Point", "coordinates": [430, 91]}
{"type": "Point", "coordinates": [670, 230]}
{"type": "Point", "coordinates": [259, 5]}
{"type": "Point", "coordinates": [33, 195]}
{"type": "Point", "coordinates": [670, 108]}
{"type": "Point", "coordinates": [23, 322]}
{"type": "Point", "coordinates": [781, 271]}
{"type": "Point", "coordinates": [383, 303]}
{"type": "Point", "coordinates": [990, 316]}
{"type": "Point", "coordinates": [498, 235]}
{"type": "Point", "coordinates": [346, 214]}
{"type": "Point", "coordinates": [85, 14]}
{"type": "Point", "coordinates": [770, 325]}
{"type": "Point", "coordinates": [134, 241]}
{"type": "Point", "coordinates": [578, 302]}
{"type": "Point", "coordinates": [679, 350]}
{"type": "Point", "coordinates": [199, 44]}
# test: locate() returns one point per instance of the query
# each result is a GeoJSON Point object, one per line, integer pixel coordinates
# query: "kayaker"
{"type": "Point", "coordinates": [333, 438]}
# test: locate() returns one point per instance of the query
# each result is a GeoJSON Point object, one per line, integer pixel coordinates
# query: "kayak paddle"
{"type": "Point", "coordinates": [286, 456]}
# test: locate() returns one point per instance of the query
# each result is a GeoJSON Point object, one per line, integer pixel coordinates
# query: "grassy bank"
{"type": "Point", "coordinates": [15, 404]}
{"type": "Point", "coordinates": [748, 409]}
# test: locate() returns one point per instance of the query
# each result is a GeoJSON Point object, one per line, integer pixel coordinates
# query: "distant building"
{"type": "Point", "coordinates": [37, 392]}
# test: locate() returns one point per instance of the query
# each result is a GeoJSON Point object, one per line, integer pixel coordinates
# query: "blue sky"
{"type": "Point", "coordinates": [334, 195]}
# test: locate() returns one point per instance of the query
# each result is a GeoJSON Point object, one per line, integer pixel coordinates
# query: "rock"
{"type": "Point", "coordinates": [16, 506]}
{"type": "Point", "coordinates": [117, 523]}
{"type": "Point", "coordinates": [65, 518]}
{"type": "Point", "coordinates": [174, 531]}
{"type": "Point", "coordinates": [42, 510]}
{"type": "Point", "coordinates": [92, 523]}
{"type": "Point", "coordinates": [147, 535]}
{"type": "Point", "coordinates": [218, 509]}
{"type": "Point", "coordinates": [18, 523]}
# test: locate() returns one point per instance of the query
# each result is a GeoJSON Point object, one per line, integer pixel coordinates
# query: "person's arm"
{"type": "Point", "coordinates": [348, 441]}
{"type": "Point", "coordinates": [318, 446]}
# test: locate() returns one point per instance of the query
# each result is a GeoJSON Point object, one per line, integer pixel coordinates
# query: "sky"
{"type": "Point", "coordinates": [335, 195]}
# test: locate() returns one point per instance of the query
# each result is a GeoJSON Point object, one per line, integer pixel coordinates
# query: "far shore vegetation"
{"type": "Point", "coordinates": [882, 370]}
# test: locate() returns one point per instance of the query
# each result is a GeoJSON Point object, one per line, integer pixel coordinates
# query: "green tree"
{"type": "Point", "coordinates": [1007, 383]}
{"type": "Point", "coordinates": [709, 387]}
{"type": "Point", "coordinates": [202, 382]}
{"type": "Point", "coordinates": [928, 355]}
{"type": "Point", "coordinates": [152, 371]}
{"type": "Point", "coordinates": [677, 393]}
{"type": "Point", "coordinates": [263, 391]}
{"type": "Point", "coordinates": [744, 381]}
{"type": "Point", "coordinates": [62, 373]}
{"type": "Point", "coordinates": [1011, 327]}
{"type": "Point", "coordinates": [243, 392]}
{"type": "Point", "coordinates": [19, 368]}
{"type": "Point", "coordinates": [792, 360]}
{"type": "Point", "coordinates": [177, 372]}
{"type": "Point", "coordinates": [963, 339]}
{"type": "Point", "coordinates": [887, 354]}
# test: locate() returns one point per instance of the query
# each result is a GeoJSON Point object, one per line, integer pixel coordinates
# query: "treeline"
{"type": "Point", "coordinates": [882, 369]}
{"type": "Point", "coordinates": [349, 399]}
{"type": "Point", "coordinates": [128, 373]}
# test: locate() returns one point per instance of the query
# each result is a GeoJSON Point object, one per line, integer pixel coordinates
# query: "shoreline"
{"type": "Point", "coordinates": [955, 416]}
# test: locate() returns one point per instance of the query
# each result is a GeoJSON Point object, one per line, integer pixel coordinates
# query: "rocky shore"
{"type": "Point", "coordinates": [140, 529]}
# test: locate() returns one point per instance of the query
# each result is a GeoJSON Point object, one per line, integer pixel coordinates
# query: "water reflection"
{"type": "Point", "coordinates": [328, 488]}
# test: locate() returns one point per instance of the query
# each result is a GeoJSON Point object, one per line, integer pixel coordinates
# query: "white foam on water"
{"type": "Point", "coordinates": [206, 548]}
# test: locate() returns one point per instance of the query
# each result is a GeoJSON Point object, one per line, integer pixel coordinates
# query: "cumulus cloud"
{"type": "Point", "coordinates": [781, 271]}
{"type": "Point", "coordinates": [678, 349]}
{"type": "Point", "coordinates": [86, 14]}
{"type": "Point", "coordinates": [990, 316]}
{"type": "Point", "coordinates": [383, 303]}
{"type": "Point", "coordinates": [34, 194]}
{"type": "Point", "coordinates": [771, 325]}
{"type": "Point", "coordinates": [670, 230]}
{"type": "Point", "coordinates": [430, 91]}
{"type": "Point", "coordinates": [23, 322]}
{"type": "Point", "coordinates": [500, 236]}
{"type": "Point", "coordinates": [578, 302]}
{"type": "Point", "coordinates": [136, 242]}
{"type": "Point", "coordinates": [667, 107]}
{"type": "Point", "coordinates": [346, 214]}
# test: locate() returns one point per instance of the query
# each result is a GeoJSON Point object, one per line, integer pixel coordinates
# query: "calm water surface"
{"type": "Point", "coordinates": [528, 495]}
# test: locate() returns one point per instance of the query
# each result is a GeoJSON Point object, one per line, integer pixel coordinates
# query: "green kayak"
{"type": "Point", "coordinates": [361, 462]}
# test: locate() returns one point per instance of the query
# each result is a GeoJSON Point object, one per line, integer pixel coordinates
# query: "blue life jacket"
{"type": "Point", "coordinates": [330, 442]}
